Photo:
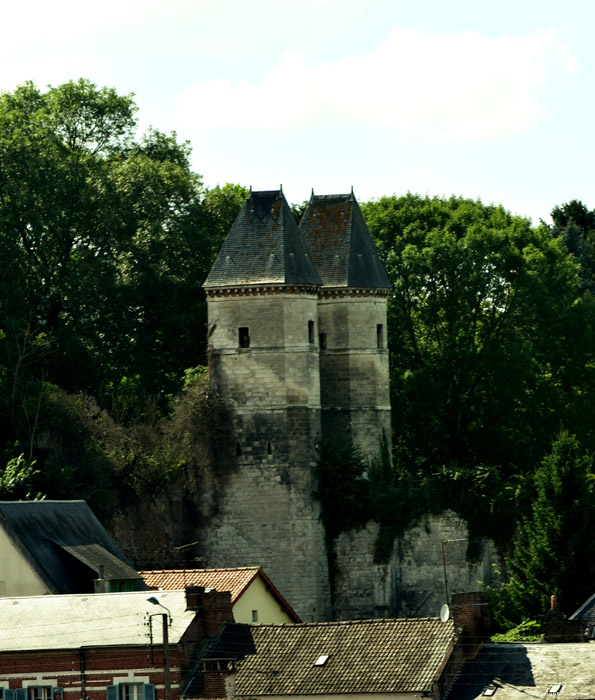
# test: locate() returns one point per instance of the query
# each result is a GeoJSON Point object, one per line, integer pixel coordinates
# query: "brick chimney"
{"type": "Point", "coordinates": [216, 611]}
{"type": "Point", "coordinates": [194, 595]}
{"type": "Point", "coordinates": [470, 611]}
{"type": "Point", "coordinates": [557, 628]}
{"type": "Point", "coordinates": [213, 608]}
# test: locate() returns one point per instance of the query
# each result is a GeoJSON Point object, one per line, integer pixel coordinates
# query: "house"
{"type": "Point", "coordinates": [50, 547]}
{"type": "Point", "coordinates": [390, 658]}
{"type": "Point", "coordinates": [108, 646]}
{"type": "Point", "coordinates": [515, 671]}
{"type": "Point", "coordinates": [586, 613]}
{"type": "Point", "coordinates": [253, 596]}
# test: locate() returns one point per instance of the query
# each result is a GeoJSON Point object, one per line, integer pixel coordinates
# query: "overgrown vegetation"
{"type": "Point", "coordinates": [105, 241]}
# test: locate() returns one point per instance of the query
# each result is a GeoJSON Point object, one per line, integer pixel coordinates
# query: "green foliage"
{"type": "Point", "coordinates": [353, 492]}
{"type": "Point", "coordinates": [105, 241]}
{"type": "Point", "coordinates": [17, 480]}
{"type": "Point", "coordinates": [526, 631]}
{"type": "Point", "coordinates": [343, 489]}
{"type": "Point", "coordinates": [575, 225]}
{"type": "Point", "coordinates": [481, 320]}
{"type": "Point", "coordinates": [554, 553]}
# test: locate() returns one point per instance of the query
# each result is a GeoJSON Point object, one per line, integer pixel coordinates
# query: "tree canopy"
{"type": "Point", "coordinates": [490, 343]}
{"type": "Point", "coordinates": [554, 553]}
{"type": "Point", "coordinates": [105, 240]}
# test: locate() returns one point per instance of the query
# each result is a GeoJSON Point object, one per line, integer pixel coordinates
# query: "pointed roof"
{"type": "Point", "coordinates": [53, 535]}
{"type": "Point", "coordinates": [235, 580]}
{"type": "Point", "coordinates": [264, 246]}
{"type": "Point", "coordinates": [336, 233]}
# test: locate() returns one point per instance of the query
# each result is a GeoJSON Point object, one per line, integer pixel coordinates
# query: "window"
{"type": "Point", "coordinates": [238, 449]}
{"type": "Point", "coordinates": [255, 616]}
{"type": "Point", "coordinates": [311, 332]}
{"type": "Point", "coordinates": [244, 337]}
{"type": "Point", "coordinates": [322, 340]}
{"type": "Point", "coordinates": [33, 692]}
{"type": "Point", "coordinates": [131, 691]}
{"type": "Point", "coordinates": [380, 336]}
{"type": "Point", "coordinates": [269, 448]}
{"type": "Point", "coordinates": [40, 692]}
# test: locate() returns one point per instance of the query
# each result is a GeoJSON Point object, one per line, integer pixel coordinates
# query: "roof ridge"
{"type": "Point", "coordinates": [331, 623]}
{"type": "Point", "coordinates": [167, 571]}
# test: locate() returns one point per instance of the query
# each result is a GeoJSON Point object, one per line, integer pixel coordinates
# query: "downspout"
{"type": "Point", "coordinates": [82, 667]}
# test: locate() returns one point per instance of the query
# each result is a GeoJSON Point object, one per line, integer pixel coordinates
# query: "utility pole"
{"type": "Point", "coordinates": [166, 673]}
{"type": "Point", "coordinates": [167, 620]}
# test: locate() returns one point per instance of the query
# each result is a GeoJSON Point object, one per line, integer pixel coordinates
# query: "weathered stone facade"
{"type": "Point", "coordinates": [354, 368]}
{"type": "Point", "coordinates": [297, 350]}
{"type": "Point", "coordinates": [411, 583]}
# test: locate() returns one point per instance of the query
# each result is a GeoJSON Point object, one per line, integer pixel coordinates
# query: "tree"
{"type": "Point", "coordinates": [574, 223]}
{"type": "Point", "coordinates": [489, 349]}
{"type": "Point", "coordinates": [105, 241]}
{"type": "Point", "coordinates": [554, 553]}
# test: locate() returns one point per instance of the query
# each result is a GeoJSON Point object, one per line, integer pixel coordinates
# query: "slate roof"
{"type": "Point", "coordinates": [364, 656]}
{"type": "Point", "coordinates": [97, 619]}
{"type": "Point", "coordinates": [54, 536]}
{"type": "Point", "coordinates": [337, 236]}
{"type": "Point", "coordinates": [586, 612]}
{"type": "Point", "coordinates": [528, 671]}
{"type": "Point", "coordinates": [235, 580]}
{"type": "Point", "coordinates": [264, 246]}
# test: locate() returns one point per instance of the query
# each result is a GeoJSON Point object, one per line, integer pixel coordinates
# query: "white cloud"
{"type": "Point", "coordinates": [450, 87]}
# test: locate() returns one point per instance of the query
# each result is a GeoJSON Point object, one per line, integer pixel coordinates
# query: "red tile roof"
{"type": "Point", "coordinates": [235, 580]}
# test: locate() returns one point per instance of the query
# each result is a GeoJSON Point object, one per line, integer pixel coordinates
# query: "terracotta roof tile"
{"type": "Point", "coordinates": [234, 580]}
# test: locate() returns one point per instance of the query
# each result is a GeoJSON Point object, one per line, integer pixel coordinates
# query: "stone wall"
{"type": "Point", "coordinates": [411, 583]}
{"type": "Point", "coordinates": [268, 518]}
{"type": "Point", "coordinates": [354, 378]}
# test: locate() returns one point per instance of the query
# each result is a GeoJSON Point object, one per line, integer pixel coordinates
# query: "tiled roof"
{"type": "Point", "coordinates": [528, 671]}
{"type": "Point", "coordinates": [234, 580]}
{"type": "Point", "coordinates": [366, 656]}
{"type": "Point", "coordinates": [53, 535]}
{"type": "Point", "coordinates": [96, 619]}
{"type": "Point", "coordinates": [586, 612]}
{"type": "Point", "coordinates": [264, 246]}
{"type": "Point", "coordinates": [337, 236]}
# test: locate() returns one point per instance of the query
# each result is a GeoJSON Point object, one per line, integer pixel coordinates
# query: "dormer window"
{"type": "Point", "coordinates": [244, 337]}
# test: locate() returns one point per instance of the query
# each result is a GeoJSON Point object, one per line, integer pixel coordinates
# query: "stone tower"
{"type": "Point", "coordinates": [297, 337]}
{"type": "Point", "coordinates": [354, 378]}
{"type": "Point", "coordinates": [264, 361]}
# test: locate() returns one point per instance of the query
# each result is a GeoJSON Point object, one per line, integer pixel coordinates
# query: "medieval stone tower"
{"type": "Point", "coordinates": [297, 345]}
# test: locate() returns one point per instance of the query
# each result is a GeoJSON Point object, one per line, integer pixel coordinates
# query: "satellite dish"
{"type": "Point", "coordinates": [444, 613]}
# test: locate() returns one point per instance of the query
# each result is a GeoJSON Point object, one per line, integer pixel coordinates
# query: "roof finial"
{"type": "Point", "coordinates": [281, 187]}
{"type": "Point", "coordinates": [352, 195]}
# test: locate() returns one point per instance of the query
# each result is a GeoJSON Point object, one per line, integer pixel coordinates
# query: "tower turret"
{"type": "Point", "coordinates": [264, 361]}
{"type": "Point", "coordinates": [354, 377]}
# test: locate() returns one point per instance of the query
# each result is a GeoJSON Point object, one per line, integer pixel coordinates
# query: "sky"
{"type": "Point", "coordinates": [473, 98]}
